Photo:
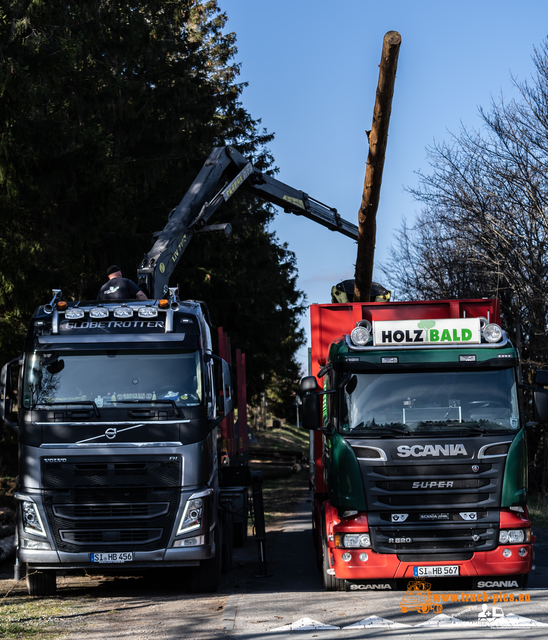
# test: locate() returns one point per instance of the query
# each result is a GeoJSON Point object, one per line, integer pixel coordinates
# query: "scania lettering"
{"type": "Point", "coordinates": [418, 452]}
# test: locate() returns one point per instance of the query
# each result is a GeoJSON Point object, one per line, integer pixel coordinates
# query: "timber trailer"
{"type": "Point", "coordinates": [418, 444]}
{"type": "Point", "coordinates": [118, 408]}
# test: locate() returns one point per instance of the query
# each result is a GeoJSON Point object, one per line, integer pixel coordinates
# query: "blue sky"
{"type": "Point", "coordinates": [312, 69]}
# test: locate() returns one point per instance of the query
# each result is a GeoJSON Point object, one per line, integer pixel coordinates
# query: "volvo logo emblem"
{"type": "Point", "coordinates": [475, 468]}
{"type": "Point", "coordinates": [111, 433]}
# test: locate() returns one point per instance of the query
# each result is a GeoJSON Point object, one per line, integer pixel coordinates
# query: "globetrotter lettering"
{"type": "Point", "coordinates": [419, 450]}
{"type": "Point", "coordinates": [116, 324]}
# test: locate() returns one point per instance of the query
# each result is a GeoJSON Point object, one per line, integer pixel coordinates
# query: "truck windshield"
{"type": "Point", "coordinates": [112, 378]}
{"type": "Point", "coordinates": [429, 401]}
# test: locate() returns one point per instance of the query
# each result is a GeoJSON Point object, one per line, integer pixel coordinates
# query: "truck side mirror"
{"type": "Point", "coordinates": [224, 403]}
{"type": "Point", "coordinates": [540, 397]}
{"type": "Point", "coordinates": [9, 378]}
{"type": "Point", "coordinates": [227, 389]}
{"type": "Point", "coordinates": [311, 404]}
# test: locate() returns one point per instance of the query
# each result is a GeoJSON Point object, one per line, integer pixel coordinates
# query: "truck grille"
{"type": "Point", "coordinates": [440, 508]}
{"type": "Point", "coordinates": [120, 503]}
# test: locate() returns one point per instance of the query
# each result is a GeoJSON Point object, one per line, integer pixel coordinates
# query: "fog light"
{"type": "Point", "coordinates": [506, 553]}
{"type": "Point", "coordinates": [190, 542]}
{"type": "Point", "coordinates": [26, 543]}
{"type": "Point", "coordinates": [522, 552]}
{"type": "Point", "coordinates": [347, 556]}
{"type": "Point", "coordinates": [363, 557]}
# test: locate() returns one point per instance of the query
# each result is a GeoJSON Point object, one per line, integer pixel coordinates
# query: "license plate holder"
{"type": "Point", "coordinates": [436, 571]}
{"type": "Point", "coordinates": [116, 557]}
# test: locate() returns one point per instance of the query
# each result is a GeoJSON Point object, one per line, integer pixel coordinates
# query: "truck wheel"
{"type": "Point", "coordinates": [331, 583]}
{"type": "Point", "coordinates": [41, 583]}
{"type": "Point", "coordinates": [206, 577]}
{"type": "Point", "coordinates": [228, 541]}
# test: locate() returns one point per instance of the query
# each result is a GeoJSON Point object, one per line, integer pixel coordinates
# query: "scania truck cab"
{"type": "Point", "coordinates": [418, 444]}
{"type": "Point", "coordinates": [116, 406]}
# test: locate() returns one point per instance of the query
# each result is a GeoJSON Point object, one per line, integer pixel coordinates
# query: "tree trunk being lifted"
{"type": "Point", "coordinates": [378, 137]}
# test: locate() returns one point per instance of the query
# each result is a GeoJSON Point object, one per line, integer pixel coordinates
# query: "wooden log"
{"type": "Point", "coordinates": [378, 138]}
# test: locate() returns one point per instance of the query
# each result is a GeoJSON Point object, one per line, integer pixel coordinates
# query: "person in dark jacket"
{"type": "Point", "coordinates": [119, 288]}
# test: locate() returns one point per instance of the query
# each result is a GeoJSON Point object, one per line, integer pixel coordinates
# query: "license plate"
{"type": "Point", "coordinates": [436, 572]}
{"type": "Point", "coordinates": [111, 558]}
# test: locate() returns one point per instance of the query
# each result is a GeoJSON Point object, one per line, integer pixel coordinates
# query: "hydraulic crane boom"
{"type": "Point", "coordinates": [204, 197]}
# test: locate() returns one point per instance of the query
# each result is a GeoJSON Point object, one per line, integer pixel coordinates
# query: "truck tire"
{"type": "Point", "coordinates": [41, 583]}
{"type": "Point", "coordinates": [228, 541]}
{"type": "Point", "coordinates": [206, 577]}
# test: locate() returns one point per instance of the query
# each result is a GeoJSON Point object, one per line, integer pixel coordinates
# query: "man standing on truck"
{"type": "Point", "coordinates": [119, 288]}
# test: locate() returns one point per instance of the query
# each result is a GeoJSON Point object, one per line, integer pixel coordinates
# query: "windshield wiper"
{"type": "Point", "coordinates": [78, 402]}
{"type": "Point", "coordinates": [161, 400]}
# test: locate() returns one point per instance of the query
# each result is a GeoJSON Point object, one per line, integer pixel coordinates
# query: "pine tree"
{"type": "Point", "coordinates": [108, 111]}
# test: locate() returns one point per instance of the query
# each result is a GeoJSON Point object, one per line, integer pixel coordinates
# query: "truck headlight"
{"type": "Point", "coordinates": [32, 523]}
{"type": "Point", "coordinates": [492, 333]}
{"type": "Point", "coordinates": [192, 515]}
{"type": "Point", "coordinates": [514, 536]}
{"type": "Point", "coordinates": [352, 540]}
{"type": "Point", "coordinates": [361, 334]}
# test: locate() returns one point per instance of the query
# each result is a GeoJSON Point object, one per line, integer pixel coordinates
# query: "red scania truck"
{"type": "Point", "coordinates": [419, 461]}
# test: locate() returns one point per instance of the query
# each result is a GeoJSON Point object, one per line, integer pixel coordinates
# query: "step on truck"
{"type": "Point", "coordinates": [117, 408]}
{"type": "Point", "coordinates": [418, 444]}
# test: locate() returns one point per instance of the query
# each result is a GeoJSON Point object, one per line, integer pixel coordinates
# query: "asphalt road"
{"type": "Point", "coordinates": [288, 602]}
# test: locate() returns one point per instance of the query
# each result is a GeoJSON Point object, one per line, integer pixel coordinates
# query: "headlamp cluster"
{"type": "Point", "coordinates": [361, 335]}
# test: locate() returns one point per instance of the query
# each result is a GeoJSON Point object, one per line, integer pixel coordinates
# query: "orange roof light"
{"type": "Point", "coordinates": [61, 305]}
{"type": "Point", "coordinates": [163, 304]}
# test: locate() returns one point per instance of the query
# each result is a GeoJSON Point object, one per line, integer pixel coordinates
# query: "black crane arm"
{"type": "Point", "coordinates": [204, 197]}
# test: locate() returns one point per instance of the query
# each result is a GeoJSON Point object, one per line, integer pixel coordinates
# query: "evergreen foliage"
{"type": "Point", "coordinates": [108, 112]}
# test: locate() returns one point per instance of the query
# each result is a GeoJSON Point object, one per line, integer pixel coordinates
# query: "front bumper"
{"type": "Point", "coordinates": [484, 563]}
